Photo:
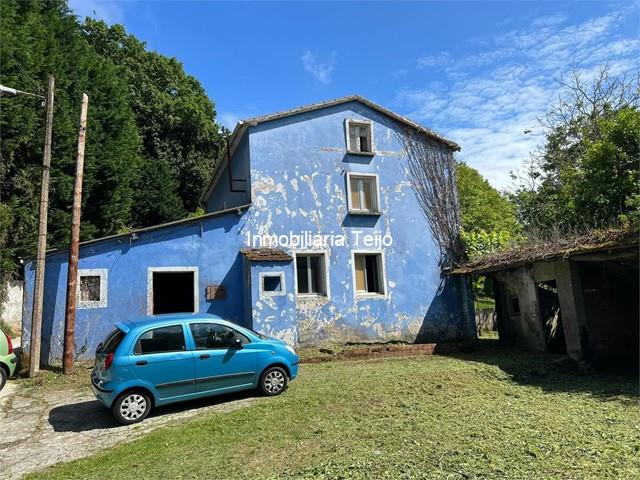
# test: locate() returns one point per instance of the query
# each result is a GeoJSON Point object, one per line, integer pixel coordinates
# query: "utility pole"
{"type": "Point", "coordinates": [74, 248]}
{"type": "Point", "coordinates": [38, 294]}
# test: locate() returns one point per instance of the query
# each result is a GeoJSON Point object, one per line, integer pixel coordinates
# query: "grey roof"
{"type": "Point", "coordinates": [242, 125]}
{"type": "Point", "coordinates": [347, 99]}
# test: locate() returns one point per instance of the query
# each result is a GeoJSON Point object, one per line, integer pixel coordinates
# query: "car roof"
{"type": "Point", "coordinates": [168, 319]}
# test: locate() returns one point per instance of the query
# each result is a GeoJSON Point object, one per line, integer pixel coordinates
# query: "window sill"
{"type": "Point", "coordinates": [370, 213]}
{"type": "Point", "coordinates": [271, 294]}
{"type": "Point", "coordinates": [87, 304]}
{"type": "Point", "coordinates": [370, 296]}
{"type": "Point", "coordinates": [363, 154]}
{"type": "Point", "coordinates": [311, 296]}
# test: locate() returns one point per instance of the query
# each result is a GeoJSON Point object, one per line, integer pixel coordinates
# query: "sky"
{"type": "Point", "coordinates": [479, 73]}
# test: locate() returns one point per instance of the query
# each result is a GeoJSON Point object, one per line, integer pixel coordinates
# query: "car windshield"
{"type": "Point", "coordinates": [258, 334]}
{"type": "Point", "coordinates": [112, 342]}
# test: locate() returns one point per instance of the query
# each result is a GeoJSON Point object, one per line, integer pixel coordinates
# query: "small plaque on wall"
{"type": "Point", "coordinates": [215, 292]}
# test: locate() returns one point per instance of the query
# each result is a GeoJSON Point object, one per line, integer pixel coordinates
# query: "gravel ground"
{"type": "Point", "coordinates": [47, 427]}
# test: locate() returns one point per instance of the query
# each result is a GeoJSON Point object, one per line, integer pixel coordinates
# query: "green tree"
{"type": "Point", "coordinates": [39, 38]}
{"type": "Point", "coordinates": [175, 118]}
{"type": "Point", "coordinates": [160, 201]}
{"type": "Point", "coordinates": [488, 219]}
{"type": "Point", "coordinates": [608, 180]}
{"type": "Point", "coordinates": [586, 175]}
{"type": "Point", "coordinates": [151, 134]}
{"type": "Point", "coordinates": [482, 207]}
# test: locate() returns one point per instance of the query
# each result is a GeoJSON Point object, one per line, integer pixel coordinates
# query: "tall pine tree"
{"type": "Point", "coordinates": [39, 38]}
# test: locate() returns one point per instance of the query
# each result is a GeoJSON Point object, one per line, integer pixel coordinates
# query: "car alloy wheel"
{"type": "Point", "coordinates": [274, 381]}
{"type": "Point", "coordinates": [132, 407]}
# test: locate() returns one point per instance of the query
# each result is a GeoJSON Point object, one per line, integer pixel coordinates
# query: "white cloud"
{"type": "Point", "coordinates": [319, 69]}
{"type": "Point", "coordinates": [108, 10]}
{"type": "Point", "coordinates": [498, 92]}
{"type": "Point", "coordinates": [441, 60]}
{"type": "Point", "coordinates": [549, 21]}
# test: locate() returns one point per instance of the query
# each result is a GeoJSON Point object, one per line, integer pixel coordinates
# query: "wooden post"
{"type": "Point", "coordinates": [74, 248]}
{"type": "Point", "coordinates": [38, 292]}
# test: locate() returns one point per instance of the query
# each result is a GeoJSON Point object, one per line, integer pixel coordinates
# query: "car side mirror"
{"type": "Point", "coordinates": [236, 343]}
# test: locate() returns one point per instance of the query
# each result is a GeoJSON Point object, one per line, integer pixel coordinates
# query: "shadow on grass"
{"type": "Point", "coordinates": [92, 415]}
{"type": "Point", "coordinates": [554, 373]}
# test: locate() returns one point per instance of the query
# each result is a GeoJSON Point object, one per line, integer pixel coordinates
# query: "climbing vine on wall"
{"type": "Point", "coordinates": [432, 168]}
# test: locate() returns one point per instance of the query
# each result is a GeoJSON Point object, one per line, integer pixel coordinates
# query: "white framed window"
{"type": "Point", "coordinates": [91, 289]}
{"type": "Point", "coordinates": [272, 284]}
{"type": "Point", "coordinates": [312, 273]}
{"type": "Point", "coordinates": [172, 290]}
{"type": "Point", "coordinates": [359, 135]}
{"type": "Point", "coordinates": [369, 277]}
{"type": "Point", "coordinates": [363, 193]}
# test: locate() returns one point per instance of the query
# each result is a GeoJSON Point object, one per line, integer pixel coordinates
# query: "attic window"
{"type": "Point", "coordinates": [359, 137]}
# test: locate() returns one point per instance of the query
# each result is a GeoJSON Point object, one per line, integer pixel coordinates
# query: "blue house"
{"type": "Point", "coordinates": [312, 234]}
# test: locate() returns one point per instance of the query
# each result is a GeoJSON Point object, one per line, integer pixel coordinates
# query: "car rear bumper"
{"type": "Point", "coordinates": [104, 395]}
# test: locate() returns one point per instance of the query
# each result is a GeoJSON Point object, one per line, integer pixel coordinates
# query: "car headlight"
{"type": "Point", "coordinates": [290, 349]}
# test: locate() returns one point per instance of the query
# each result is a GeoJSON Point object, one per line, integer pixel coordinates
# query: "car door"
{"type": "Point", "coordinates": [222, 361]}
{"type": "Point", "coordinates": [162, 359]}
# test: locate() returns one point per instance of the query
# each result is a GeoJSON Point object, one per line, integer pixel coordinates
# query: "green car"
{"type": "Point", "coordinates": [8, 359]}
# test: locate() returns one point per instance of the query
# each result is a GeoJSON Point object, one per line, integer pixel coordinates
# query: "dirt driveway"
{"type": "Point", "coordinates": [40, 429]}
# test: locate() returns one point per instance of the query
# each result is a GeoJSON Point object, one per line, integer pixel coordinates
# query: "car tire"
{"type": "Point", "coordinates": [3, 377]}
{"type": "Point", "coordinates": [132, 406]}
{"type": "Point", "coordinates": [273, 381]}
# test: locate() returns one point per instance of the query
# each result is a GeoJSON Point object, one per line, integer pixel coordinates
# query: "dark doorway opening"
{"type": "Point", "coordinates": [551, 317]}
{"type": "Point", "coordinates": [173, 292]}
{"type": "Point", "coordinates": [610, 289]}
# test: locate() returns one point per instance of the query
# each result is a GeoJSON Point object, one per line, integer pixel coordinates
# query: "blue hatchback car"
{"type": "Point", "coordinates": [163, 359]}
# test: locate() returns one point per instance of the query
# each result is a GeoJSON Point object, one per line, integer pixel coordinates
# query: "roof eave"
{"type": "Point", "coordinates": [206, 216]}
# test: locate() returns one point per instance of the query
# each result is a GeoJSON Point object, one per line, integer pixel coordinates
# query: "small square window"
{"type": "Point", "coordinates": [369, 276]}
{"type": "Point", "coordinates": [310, 274]}
{"type": "Point", "coordinates": [363, 194]}
{"type": "Point", "coordinates": [92, 288]}
{"type": "Point", "coordinates": [359, 137]}
{"type": "Point", "coordinates": [272, 284]}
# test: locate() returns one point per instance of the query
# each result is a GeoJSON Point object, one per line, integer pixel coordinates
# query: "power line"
{"type": "Point", "coordinates": [15, 91]}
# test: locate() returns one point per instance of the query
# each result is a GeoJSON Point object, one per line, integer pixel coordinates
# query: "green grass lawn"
{"type": "Point", "coordinates": [488, 414]}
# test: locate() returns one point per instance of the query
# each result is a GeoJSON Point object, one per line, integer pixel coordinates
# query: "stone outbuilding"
{"type": "Point", "coordinates": [577, 296]}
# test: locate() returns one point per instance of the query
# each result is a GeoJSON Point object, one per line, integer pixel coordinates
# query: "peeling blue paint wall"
{"type": "Point", "coordinates": [297, 169]}
{"type": "Point", "coordinates": [273, 314]}
{"type": "Point", "coordinates": [298, 177]}
{"type": "Point", "coordinates": [211, 245]}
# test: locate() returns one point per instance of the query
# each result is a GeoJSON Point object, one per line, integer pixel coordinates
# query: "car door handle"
{"type": "Point", "coordinates": [141, 362]}
{"type": "Point", "coordinates": [204, 356]}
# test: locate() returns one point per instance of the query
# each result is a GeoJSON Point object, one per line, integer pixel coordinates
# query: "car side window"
{"type": "Point", "coordinates": [212, 335]}
{"type": "Point", "coordinates": [163, 339]}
